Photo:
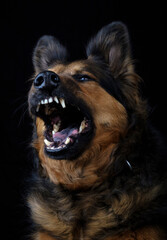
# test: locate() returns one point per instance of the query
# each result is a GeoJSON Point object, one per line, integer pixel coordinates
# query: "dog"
{"type": "Point", "coordinates": [100, 171]}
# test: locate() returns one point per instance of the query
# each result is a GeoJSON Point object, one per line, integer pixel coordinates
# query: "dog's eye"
{"type": "Point", "coordinates": [82, 78]}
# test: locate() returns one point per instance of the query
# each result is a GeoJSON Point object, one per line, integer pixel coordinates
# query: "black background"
{"type": "Point", "coordinates": [73, 23]}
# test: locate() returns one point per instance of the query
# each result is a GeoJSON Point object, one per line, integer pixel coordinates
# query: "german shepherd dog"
{"type": "Point", "coordinates": [100, 173]}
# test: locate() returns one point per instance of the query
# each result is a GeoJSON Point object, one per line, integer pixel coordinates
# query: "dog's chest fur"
{"type": "Point", "coordinates": [69, 215]}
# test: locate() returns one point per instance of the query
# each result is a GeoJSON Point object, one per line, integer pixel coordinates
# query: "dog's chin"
{"type": "Point", "coordinates": [68, 128]}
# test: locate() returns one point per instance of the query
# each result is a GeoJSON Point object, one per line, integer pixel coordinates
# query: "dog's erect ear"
{"type": "Point", "coordinates": [112, 45]}
{"type": "Point", "coordinates": [48, 51]}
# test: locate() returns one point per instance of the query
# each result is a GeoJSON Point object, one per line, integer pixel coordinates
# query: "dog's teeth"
{"type": "Point", "coordinates": [56, 99]}
{"type": "Point", "coordinates": [50, 100]}
{"type": "Point", "coordinates": [38, 106]}
{"type": "Point", "coordinates": [62, 101]}
{"type": "Point", "coordinates": [47, 142]}
{"type": "Point", "coordinates": [80, 129]}
{"type": "Point", "coordinates": [67, 141]}
{"type": "Point", "coordinates": [45, 101]}
{"type": "Point", "coordinates": [82, 126]}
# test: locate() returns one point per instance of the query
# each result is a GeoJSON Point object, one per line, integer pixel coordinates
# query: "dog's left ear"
{"type": "Point", "coordinates": [112, 45]}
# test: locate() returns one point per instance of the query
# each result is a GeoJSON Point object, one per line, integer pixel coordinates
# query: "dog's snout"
{"type": "Point", "coordinates": [46, 79]}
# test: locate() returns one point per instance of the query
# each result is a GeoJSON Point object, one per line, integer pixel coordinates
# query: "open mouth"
{"type": "Point", "coordinates": [67, 127]}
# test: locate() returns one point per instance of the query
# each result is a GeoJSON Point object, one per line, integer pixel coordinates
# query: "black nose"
{"type": "Point", "coordinates": [46, 79]}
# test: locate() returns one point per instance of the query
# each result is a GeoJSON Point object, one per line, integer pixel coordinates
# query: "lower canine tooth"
{"type": "Point", "coordinates": [56, 127]}
{"type": "Point", "coordinates": [82, 126]}
{"type": "Point", "coordinates": [47, 142]}
{"type": "Point", "coordinates": [67, 141]}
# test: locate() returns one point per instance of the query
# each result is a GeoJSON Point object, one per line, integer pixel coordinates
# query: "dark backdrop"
{"type": "Point", "coordinates": [22, 23]}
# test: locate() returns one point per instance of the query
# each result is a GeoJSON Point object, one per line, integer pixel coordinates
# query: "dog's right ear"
{"type": "Point", "coordinates": [48, 51]}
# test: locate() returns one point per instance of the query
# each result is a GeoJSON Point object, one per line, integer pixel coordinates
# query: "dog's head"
{"type": "Point", "coordinates": [82, 109]}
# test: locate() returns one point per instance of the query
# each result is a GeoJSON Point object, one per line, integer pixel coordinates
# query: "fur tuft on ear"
{"type": "Point", "coordinates": [48, 51]}
{"type": "Point", "coordinates": [112, 45]}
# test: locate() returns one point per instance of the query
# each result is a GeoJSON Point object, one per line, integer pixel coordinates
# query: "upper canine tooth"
{"type": "Point", "coordinates": [56, 99]}
{"type": "Point", "coordinates": [50, 100]}
{"type": "Point", "coordinates": [62, 101]}
{"type": "Point", "coordinates": [56, 127]}
{"type": "Point", "coordinates": [42, 102]}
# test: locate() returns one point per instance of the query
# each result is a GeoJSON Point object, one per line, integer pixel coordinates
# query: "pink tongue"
{"type": "Point", "coordinates": [60, 137]}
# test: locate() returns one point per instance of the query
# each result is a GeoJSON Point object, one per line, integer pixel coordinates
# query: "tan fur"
{"type": "Point", "coordinates": [120, 208]}
{"type": "Point", "coordinates": [44, 216]}
{"type": "Point", "coordinates": [42, 236]}
{"type": "Point", "coordinates": [111, 123]}
{"type": "Point", "coordinates": [148, 233]}
{"type": "Point", "coordinates": [47, 219]}
{"type": "Point", "coordinates": [142, 234]}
